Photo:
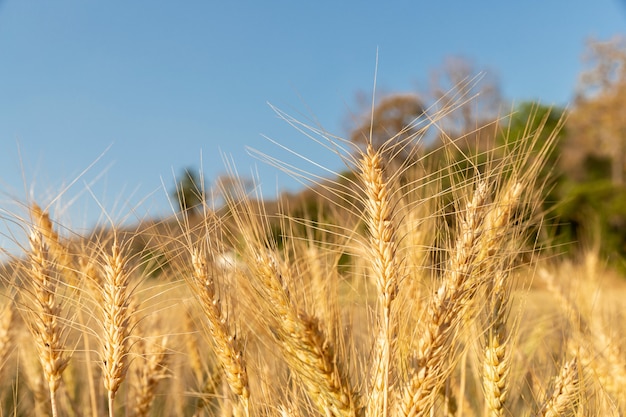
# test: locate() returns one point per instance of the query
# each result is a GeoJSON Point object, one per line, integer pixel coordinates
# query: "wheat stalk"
{"type": "Point", "coordinates": [565, 393]}
{"type": "Point", "coordinates": [496, 359]}
{"type": "Point", "coordinates": [308, 351]}
{"type": "Point", "coordinates": [445, 310]}
{"type": "Point", "coordinates": [226, 346]}
{"type": "Point", "coordinates": [154, 369]}
{"type": "Point", "coordinates": [44, 318]}
{"type": "Point", "coordinates": [383, 246]}
{"type": "Point", "coordinates": [66, 265]}
{"type": "Point", "coordinates": [116, 321]}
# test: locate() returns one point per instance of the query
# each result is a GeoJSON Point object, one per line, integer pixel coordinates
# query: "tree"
{"type": "Point", "coordinates": [189, 192]}
{"type": "Point", "coordinates": [393, 122]}
{"type": "Point", "coordinates": [229, 188]}
{"type": "Point", "coordinates": [537, 123]}
{"type": "Point", "coordinates": [466, 96]}
{"type": "Point", "coordinates": [594, 152]}
{"type": "Point", "coordinates": [597, 126]}
{"type": "Point", "coordinates": [460, 103]}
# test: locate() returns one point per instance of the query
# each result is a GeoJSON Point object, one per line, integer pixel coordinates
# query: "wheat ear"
{"type": "Point", "coordinates": [445, 310]}
{"type": "Point", "coordinates": [308, 351]}
{"type": "Point", "coordinates": [496, 360]}
{"type": "Point", "coordinates": [6, 335]}
{"type": "Point", "coordinates": [383, 247]}
{"type": "Point", "coordinates": [57, 250]}
{"type": "Point", "coordinates": [226, 346]}
{"type": "Point", "coordinates": [116, 321]}
{"type": "Point", "coordinates": [66, 265]}
{"type": "Point", "coordinates": [565, 393]}
{"type": "Point", "coordinates": [153, 370]}
{"type": "Point", "coordinates": [45, 315]}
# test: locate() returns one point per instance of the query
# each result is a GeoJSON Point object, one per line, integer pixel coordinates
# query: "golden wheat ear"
{"type": "Point", "coordinates": [446, 311]}
{"type": "Point", "coordinates": [565, 393]}
{"type": "Point", "coordinates": [116, 320]}
{"type": "Point", "coordinates": [497, 337]}
{"type": "Point", "coordinates": [386, 271]}
{"type": "Point", "coordinates": [45, 307]}
{"type": "Point", "coordinates": [227, 347]}
{"type": "Point", "coordinates": [307, 349]}
{"type": "Point", "coordinates": [309, 353]}
{"type": "Point", "coordinates": [153, 369]}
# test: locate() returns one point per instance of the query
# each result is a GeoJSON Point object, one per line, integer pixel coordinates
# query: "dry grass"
{"type": "Point", "coordinates": [410, 292]}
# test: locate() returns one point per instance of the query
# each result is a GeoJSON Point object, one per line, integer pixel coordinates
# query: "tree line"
{"type": "Point", "coordinates": [584, 181]}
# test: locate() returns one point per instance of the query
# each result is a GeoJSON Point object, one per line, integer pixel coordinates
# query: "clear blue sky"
{"type": "Point", "coordinates": [151, 87]}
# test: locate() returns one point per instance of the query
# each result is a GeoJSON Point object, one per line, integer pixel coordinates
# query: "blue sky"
{"type": "Point", "coordinates": [139, 90]}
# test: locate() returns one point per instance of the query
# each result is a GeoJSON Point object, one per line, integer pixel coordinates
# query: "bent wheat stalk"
{"type": "Point", "coordinates": [565, 393]}
{"type": "Point", "coordinates": [226, 347]}
{"type": "Point", "coordinates": [307, 349]}
{"type": "Point", "coordinates": [445, 310]}
{"type": "Point", "coordinates": [44, 318]}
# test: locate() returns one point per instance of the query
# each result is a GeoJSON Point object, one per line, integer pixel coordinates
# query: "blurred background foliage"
{"type": "Point", "coordinates": [582, 184]}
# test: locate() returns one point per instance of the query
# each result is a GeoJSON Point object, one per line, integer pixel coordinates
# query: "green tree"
{"type": "Point", "coordinates": [535, 124]}
{"type": "Point", "coordinates": [530, 126]}
{"type": "Point", "coordinates": [593, 192]}
{"type": "Point", "coordinates": [189, 191]}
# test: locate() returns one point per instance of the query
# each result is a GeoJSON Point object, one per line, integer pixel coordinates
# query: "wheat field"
{"type": "Point", "coordinates": [411, 290]}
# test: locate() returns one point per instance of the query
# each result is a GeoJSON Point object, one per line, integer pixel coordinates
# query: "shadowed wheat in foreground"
{"type": "Point", "coordinates": [401, 287]}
